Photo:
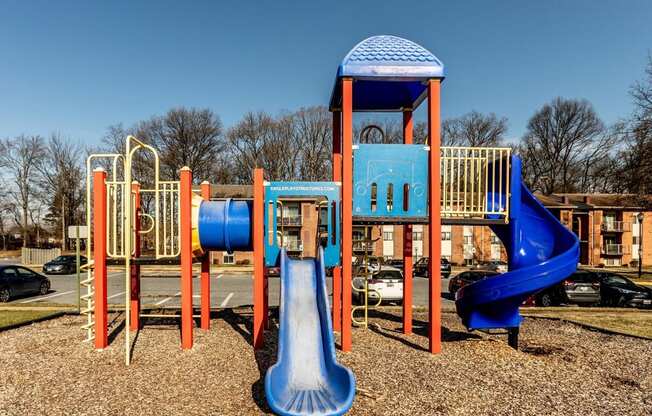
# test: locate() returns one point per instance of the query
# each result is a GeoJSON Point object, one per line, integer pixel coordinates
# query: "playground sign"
{"type": "Point", "coordinates": [72, 231]}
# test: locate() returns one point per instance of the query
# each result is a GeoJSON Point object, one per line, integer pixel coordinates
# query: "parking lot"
{"type": "Point", "coordinates": [228, 289]}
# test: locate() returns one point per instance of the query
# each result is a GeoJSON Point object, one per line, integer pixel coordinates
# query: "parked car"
{"type": "Point", "coordinates": [63, 265]}
{"type": "Point", "coordinates": [581, 288]}
{"type": "Point", "coordinates": [18, 281]}
{"type": "Point", "coordinates": [420, 268]}
{"type": "Point", "coordinates": [275, 271]}
{"type": "Point", "coordinates": [617, 290]}
{"type": "Point", "coordinates": [466, 278]}
{"type": "Point", "coordinates": [396, 263]}
{"type": "Point", "coordinates": [494, 266]}
{"type": "Point", "coordinates": [372, 262]}
{"type": "Point", "coordinates": [388, 282]}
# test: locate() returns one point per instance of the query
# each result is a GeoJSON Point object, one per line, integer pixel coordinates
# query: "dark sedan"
{"type": "Point", "coordinates": [466, 278]}
{"type": "Point", "coordinates": [20, 281]}
{"type": "Point", "coordinates": [616, 290]}
{"type": "Point", "coordinates": [421, 267]}
{"type": "Point", "coordinates": [63, 265]}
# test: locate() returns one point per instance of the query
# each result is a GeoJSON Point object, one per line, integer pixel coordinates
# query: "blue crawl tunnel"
{"type": "Point", "coordinates": [225, 225]}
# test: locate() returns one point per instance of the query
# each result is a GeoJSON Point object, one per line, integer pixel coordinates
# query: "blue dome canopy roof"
{"type": "Point", "coordinates": [389, 74]}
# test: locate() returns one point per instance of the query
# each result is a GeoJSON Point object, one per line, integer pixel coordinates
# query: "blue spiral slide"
{"type": "Point", "coordinates": [306, 379]}
{"type": "Point", "coordinates": [541, 252]}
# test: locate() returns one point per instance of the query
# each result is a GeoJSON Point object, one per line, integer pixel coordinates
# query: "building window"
{"type": "Point", "coordinates": [445, 235]}
{"type": "Point", "coordinates": [417, 236]}
{"type": "Point", "coordinates": [495, 239]}
{"type": "Point", "coordinates": [388, 235]}
{"type": "Point", "coordinates": [468, 240]}
{"type": "Point", "coordinates": [228, 258]}
{"type": "Point", "coordinates": [636, 240]}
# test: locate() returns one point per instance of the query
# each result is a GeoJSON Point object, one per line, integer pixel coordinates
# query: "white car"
{"type": "Point", "coordinates": [388, 282]}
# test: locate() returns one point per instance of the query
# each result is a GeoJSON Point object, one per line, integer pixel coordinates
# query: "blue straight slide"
{"type": "Point", "coordinates": [541, 252]}
{"type": "Point", "coordinates": [306, 379]}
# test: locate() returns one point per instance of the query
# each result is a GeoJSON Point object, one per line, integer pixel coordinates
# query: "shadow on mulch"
{"type": "Point", "coordinates": [265, 357]}
{"type": "Point", "coordinates": [420, 328]}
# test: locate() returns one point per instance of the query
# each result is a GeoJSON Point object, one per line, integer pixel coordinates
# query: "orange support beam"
{"type": "Point", "coordinates": [134, 316]}
{"type": "Point", "coordinates": [407, 241]}
{"type": "Point", "coordinates": [434, 214]}
{"type": "Point", "coordinates": [337, 177]}
{"type": "Point", "coordinates": [185, 210]}
{"type": "Point", "coordinates": [347, 209]}
{"type": "Point", "coordinates": [99, 256]}
{"type": "Point", "coordinates": [259, 258]}
{"type": "Point", "coordinates": [205, 277]}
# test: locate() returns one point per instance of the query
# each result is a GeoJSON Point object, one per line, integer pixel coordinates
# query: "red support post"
{"type": "Point", "coordinates": [434, 213]}
{"type": "Point", "coordinates": [259, 258]}
{"type": "Point", "coordinates": [347, 209]}
{"type": "Point", "coordinates": [185, 211]}
{"type": "Point", "coordinates": [407, 241]}
{"type": "Point", "coordinates": [205, 277]}
{"type": "Point", "coordinates": [337, 177]}
{"type": "Point", "coordinates": [134, 316]}
{"type": "Point", "coordinates": [99, 257]}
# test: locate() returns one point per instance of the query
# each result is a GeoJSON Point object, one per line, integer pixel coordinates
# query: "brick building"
{"type": "Point", "coordinates": [606, 224]}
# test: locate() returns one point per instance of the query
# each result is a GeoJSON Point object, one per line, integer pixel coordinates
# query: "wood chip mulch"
{"type": "Point", "coordinates": [561, 369]}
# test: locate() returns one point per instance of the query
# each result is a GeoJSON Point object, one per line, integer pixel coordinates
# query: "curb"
{"type": "Point", "coordinates": [591, 327]}
{"type": "Point", "coordinates": [53, 315]}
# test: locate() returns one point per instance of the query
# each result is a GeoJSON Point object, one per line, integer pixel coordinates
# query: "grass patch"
{"type": "Point", "coordinates": [625, 321]}
{"type": "Point", "coordinates": [9, 318]}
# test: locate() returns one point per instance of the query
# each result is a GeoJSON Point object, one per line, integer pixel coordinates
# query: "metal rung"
{"type": "Point", "coordinates": [89, 339]}
{"type": "Point", "coordinates": [87, 282]}
{"type": "Point", "coordinates": [88, 325]}
{"type": "Point", "coordinates": [87, 295]}
{"type": "Point", "coordinates": [87, 311]}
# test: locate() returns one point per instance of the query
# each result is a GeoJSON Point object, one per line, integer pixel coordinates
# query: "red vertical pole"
{"type": "Point", "coordinates": [99, 255]}
{"type": "Point", "coordinates": [337, 177]}
{"type": "Point", "coordinates": [407, 241]}
{"type": "Point", "coordinates": [185, 210]}
{"type": "Point", "coordinates": [134, 316]}
{"type": "Point", "coordinates": [434, 214]}
{"type": "Point", "coordinates": [259, 257]}
{"type": "Point", "coordinates": [205, 277]}
{"type": "Point", "coordinates": [347, 209]}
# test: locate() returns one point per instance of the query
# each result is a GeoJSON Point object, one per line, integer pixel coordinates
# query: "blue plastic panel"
{"type": "Point", "coordinates": [275, 191]}
{"type": "Point", "coordinates": [383, 165]}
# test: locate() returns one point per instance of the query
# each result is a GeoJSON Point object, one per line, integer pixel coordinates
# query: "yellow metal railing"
{"type": "Point", "coordinates": [475, 182]}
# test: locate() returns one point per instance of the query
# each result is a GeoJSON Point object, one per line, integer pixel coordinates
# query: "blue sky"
{"type": "Point", "coordinates": [77, 67]}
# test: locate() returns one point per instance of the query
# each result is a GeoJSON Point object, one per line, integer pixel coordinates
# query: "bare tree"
{"type": "Point", "coordinates": [312, 127]}
{"type": "Point", "coordinates": [61, 177]}
{"type": "Point", "coordinates": [20, 157]}
{"type": "Point", "coordinates": [564, 141]}
{"type": "Point", "coordinates": [259, 140]}
{"type": "Point", "coordinates": [474, 129]}
{"type": "Point", "coordinates": [641, 93]}
{"type": "Point", "coordinates": [186, 137]}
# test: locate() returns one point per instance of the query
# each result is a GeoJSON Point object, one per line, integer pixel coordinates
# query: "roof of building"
{"type": "Point", "coordinates": [389, 74]}
{"type": "Point", "coordinates": [588, 201]}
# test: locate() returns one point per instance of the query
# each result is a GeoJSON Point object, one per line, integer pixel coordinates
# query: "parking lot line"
{"type": "Point", "coordinates": [167, 299]}
{"type": "Point", "coordinates": [47, 297]}
{"type": "Point", "coordinates": [226, 301]}
{"type": "Point", "coordinates": [116, 295]}
{"type": "Point", "coordinates": [219, 276]}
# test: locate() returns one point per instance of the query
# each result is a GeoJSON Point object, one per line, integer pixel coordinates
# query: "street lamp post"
{"type": "Point", "coordinates": [640, 217]}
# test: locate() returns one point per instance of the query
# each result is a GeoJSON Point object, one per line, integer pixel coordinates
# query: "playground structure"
{"type": "Point", "coordinates": [372, 184]}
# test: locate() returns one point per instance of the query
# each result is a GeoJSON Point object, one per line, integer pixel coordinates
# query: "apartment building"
{"type": "Point", "coordinates": [606, 224]}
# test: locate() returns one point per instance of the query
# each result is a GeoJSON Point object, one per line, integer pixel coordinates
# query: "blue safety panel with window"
{"type": "Point", "coordinates": [326, 196]}
{"type": "Point", "coordinates": [390, 181]}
